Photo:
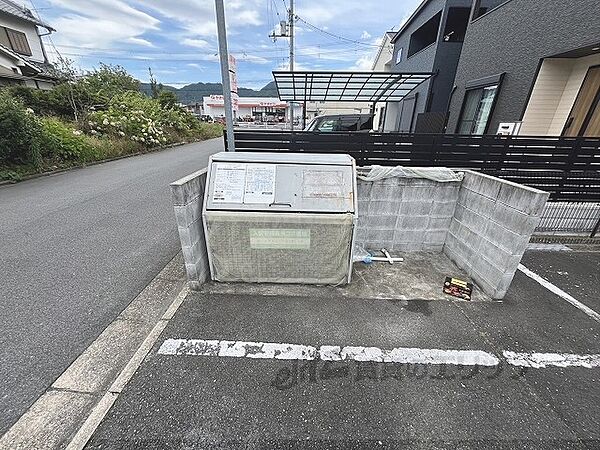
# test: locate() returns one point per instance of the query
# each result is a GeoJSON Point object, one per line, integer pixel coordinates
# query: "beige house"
{"type": "Point", "coordinates": [23, 59]}
{"type": "Point", "coordinates": [565, 99]}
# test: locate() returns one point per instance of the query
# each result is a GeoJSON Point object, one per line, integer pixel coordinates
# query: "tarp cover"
{"type": "Point", "coordinates": [260, 247]}
{"type": "Point", "coordinates": [440, 174]}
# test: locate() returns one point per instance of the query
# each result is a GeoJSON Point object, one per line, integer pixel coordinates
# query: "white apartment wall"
{"type": "Point", "coordinates": [554, 94]}
{"type": "Point", "coordinates": [30, 31]}
{"type": "Point", "coordinates": [384, 55]}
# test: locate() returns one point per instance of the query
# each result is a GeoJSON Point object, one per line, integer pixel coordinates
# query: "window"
{"type": "Point", "coordinates": [476, 110]}
{"type": "Point", "coordinates": [18, 41]}
{"type": "Point", "coordinates": [366, 123]}
{"type": "Point", "coordinates": [483, 6]}
{"type": "Point", "coordinates": [425, 35]}
{"type": "Point", "coordinates": [399, 56]}
{"type": "Point", "coordinates": [456, 24]}
{"type": "Point", "coordinates": [347, 124]}
{"type": "Point", "coordinates": [326, 125]}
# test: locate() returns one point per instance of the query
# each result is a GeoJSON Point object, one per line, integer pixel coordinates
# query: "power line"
{"type": "Point", "coordinates": [272, 57]}
{"type": "Point", "coordinates": [336, 36]}
{"type": "Point", "coordinates": [206, 52]}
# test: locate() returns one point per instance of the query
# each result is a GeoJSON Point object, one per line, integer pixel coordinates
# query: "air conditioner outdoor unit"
{"type": "Point", "coordinates": [280, 217]}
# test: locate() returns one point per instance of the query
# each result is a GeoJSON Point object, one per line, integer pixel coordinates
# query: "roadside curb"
{"type": "Point", "coordinates": [102, 161]}
{"type": "Point", "coordinates": [64, 414]}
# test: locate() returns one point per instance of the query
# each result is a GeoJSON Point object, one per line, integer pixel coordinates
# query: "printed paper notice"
{"type": "Point", "coordinates": [229, 183]}
{"type": "Point", "coordinates": [322, 184]}
{"type": "Point", "coordinates": [260, 183]}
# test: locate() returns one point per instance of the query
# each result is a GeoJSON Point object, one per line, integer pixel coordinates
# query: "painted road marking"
{"type": "Point", "coordinates": [237, 349]}
{"type": "Point", "coordinates": [558, 291]}
{"type": "Point", "coordinates": [402, 355]}
{"type": "Point", "coordinates": [540, 360]}
{"type": "Point", "coordinates": [269, 350]}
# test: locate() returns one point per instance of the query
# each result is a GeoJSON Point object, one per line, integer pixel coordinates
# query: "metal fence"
{"type": "Point", "coordinates": [566, 167]}
{"type": "Point", "coordinates": [570, 218]}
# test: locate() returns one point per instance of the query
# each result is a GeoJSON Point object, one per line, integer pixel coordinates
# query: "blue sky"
{"type": "Point", "coordinates": [177, 38]}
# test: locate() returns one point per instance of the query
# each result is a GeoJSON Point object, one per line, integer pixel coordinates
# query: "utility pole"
{"type": "Point", "coordinates": [225, 80]}
{"type": "Point", "coordinates": [287, 30]}
{"type": "Point", "coordinates": [291, 19]}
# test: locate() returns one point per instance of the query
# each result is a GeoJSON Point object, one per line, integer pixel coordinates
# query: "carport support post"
{"type": "Point", "coordinates": [224, 56]}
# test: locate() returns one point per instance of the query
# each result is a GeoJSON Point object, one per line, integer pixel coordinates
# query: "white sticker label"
{"type": "Point", "coordinates": [229, 183]}
{"type": "Point", "coordinates": [282, 239]}
{"type": "Point", "coordinates": [260, 183]}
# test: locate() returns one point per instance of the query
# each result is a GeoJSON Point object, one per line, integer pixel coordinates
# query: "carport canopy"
{"type": "Point", "coordinates": [347, 86]}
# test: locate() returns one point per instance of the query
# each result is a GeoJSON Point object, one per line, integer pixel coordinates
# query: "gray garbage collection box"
{"type": "Point", "coordinates": [280, 217]}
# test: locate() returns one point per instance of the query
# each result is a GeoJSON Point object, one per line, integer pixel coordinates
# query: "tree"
{"type": "Point", "coordinates": [104, 83]}
{"type": "Point", "coordinates": [155, 87]}
{"type": "Point", "coordinates": [167, 99]}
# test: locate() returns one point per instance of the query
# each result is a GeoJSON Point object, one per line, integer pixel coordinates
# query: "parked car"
{"type": "Point", "coordinates": [341, 122]}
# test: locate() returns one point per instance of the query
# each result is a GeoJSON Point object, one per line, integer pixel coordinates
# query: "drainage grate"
{"type": "Point", "coordinates": [558, 239]}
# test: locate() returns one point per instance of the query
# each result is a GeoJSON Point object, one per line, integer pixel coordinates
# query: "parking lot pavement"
{"type": "Point", "coordinates": [575, 272]}
{"type": "Point", "coordinates": [182, 398]}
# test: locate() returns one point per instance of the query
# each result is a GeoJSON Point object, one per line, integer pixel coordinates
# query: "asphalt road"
{"type": "Point", "coordinates": [75, 249]}
{"type": "Point", "coordinates": [209, 402]}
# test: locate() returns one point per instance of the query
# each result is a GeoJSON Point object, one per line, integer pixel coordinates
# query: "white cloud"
{"type": "Point", "coordinates": [364, 63]}
{"type": "Point", "coordinates": [327, 53]}
{"type": "Point", "coordinates": [195, 66]}
{"type": "Point", "coordinates": [365, 35]}
{"type": "Point", "coordinates": [140, 41]}
{"type": "Point", "coordinates": [197, 17]}
{"type": "Point", "coordinates": [197, 43]}
{"type": "Point", "coordinates": [101, 24]}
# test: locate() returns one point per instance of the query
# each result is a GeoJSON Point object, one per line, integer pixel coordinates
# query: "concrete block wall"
{"type": "Point", "coordinates": [405, 214]}
{"type": "Point", "coordinates": [482, 223]}
{"type": "Point", "coordinates": [188, 195]}
{"type": "Point", "coordinates": [490, 229]}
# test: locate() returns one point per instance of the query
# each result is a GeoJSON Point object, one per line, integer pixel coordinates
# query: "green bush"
{"type": "Point", "coordinates": [97, 116]}
{"type": "Point", "coordinates": [63, 142]}
{"type": "Point", "coordinates": [20, 133]}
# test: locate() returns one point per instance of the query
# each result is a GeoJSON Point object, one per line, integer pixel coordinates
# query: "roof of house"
{"type": "Point", "coordinates": [40, 69]}
{"type": "Point", "coordinates": [409, 20]}
{"type": "Point", "coordinates": [20, 12]}
{"type": "Point", "coordinates": [9, 52]}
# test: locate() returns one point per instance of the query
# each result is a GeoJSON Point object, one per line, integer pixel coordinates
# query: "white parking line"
{"type": "Point", "coordinates": [269, 350]}
{"type": "Point", "coordinates": [236, 349]}
{"type": "Point", "coordinates": [540, 360]}
{"type": "Point", "coordinates": [558, 291]}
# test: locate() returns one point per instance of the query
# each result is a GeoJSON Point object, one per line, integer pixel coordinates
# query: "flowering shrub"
{"type": "Point", "coordinates": [141, 119]}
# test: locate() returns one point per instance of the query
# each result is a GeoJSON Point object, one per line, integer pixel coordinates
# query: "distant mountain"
{"type": "Point", "coordinates": [194, 92]}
